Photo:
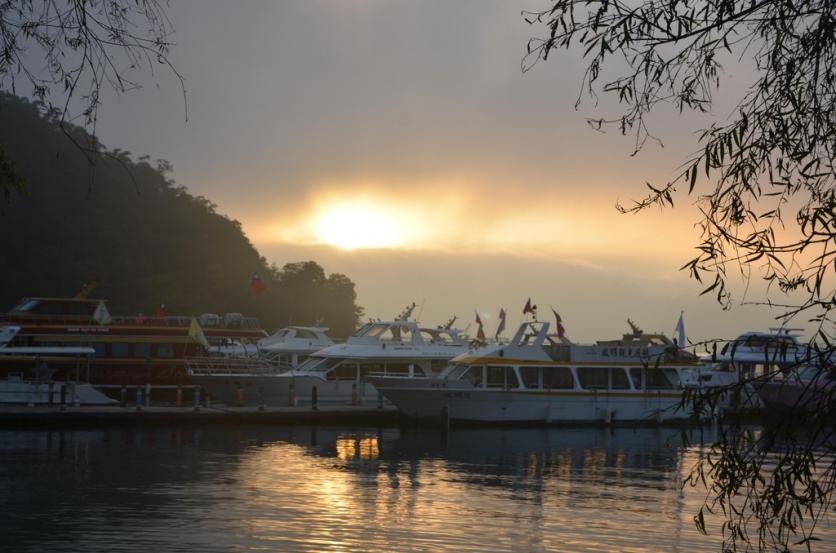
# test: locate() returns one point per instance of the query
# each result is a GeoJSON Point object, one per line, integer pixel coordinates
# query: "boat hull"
{"type": "Point", "coordinates": [22, 392]}
{"type": "Point", "coordinates": [437, 398]}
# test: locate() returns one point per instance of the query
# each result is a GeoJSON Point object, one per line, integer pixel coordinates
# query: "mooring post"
{"type": "Point", "coordinates": [139, 398]}
{"type": "Point", "coordinates": [197, 398]}
{"type": "Point", "coordinates": [354, 398]}
{"type": "Point", "coordinates": [207, 398]}
{"type": "Point", "coordinates": [313, 398]}
{"type": "Point", "coordinates": [179, 395]}
{"type": "Point", "coordinates": [76, 399]}
{"type": "Point", "coordinates": [148, 394]}
{"type": "Point", "coordinates": [291, 393]}
{"type": "Point", "coordinates": [123, 396]}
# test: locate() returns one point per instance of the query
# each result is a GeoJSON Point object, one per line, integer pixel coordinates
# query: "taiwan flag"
{"type": "Point", "coordinates": [257, 285]}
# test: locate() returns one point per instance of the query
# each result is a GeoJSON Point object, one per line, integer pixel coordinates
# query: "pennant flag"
{"type": "Point", "coordinates": [161, 311]}
{"type": "Point", "coordinates": [478, 320]}
{"type": "Point", "coordinates": [101, 315]}
{"type": "Point", "coordinates": [196, 334]}
{"type": "Point", "coordinates": [257, 285]}
{"type": "Point", "coordinates": [501, 325]}
{"type": "Point", "coordinates": [560, 330]}
{"type": "Point", "coordinates": [530, 308]}
{"type": "Point", "coordinates": [480, 334]}
{"type": "Point", "coordinates": [680, 331]}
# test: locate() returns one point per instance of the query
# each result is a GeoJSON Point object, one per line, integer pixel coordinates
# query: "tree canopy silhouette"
{"type": "Point", "coordinates": [764, 183]}
{"type": "Point", "coordinates": [141, 236]}
{"type": "Point", "coordinates": [65, 52]}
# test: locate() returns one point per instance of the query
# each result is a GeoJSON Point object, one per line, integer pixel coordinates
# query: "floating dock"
{"type": "Point", "coordinates": [53, 416]}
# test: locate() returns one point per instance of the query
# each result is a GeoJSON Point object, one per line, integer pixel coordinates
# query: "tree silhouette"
{"type": "Point", "coordinates": [764, 183]}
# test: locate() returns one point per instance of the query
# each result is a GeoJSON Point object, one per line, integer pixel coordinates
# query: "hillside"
{"type": "Point", "coordinates": [143, 238]}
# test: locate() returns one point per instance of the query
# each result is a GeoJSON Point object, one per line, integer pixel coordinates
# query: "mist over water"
{"type": "Point", "coordinates": [365, 489]}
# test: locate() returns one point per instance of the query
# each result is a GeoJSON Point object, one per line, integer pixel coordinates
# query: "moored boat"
{"type": "Point", "coordinates": [129, 351]}
{"type": "Point", "coordinates": [339, 373]}
{"type": "Point", "coordinates": [32, 382]}
{"type": "Point", "coordinates": [542, 378]}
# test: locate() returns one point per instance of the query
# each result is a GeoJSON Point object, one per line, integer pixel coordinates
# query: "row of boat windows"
{"type": "Point", "coordinates": [349, 371]}
{"type": "Point", "coordinates": [140, 351]}
{"type": "Point", "coordinates": [562, 378]}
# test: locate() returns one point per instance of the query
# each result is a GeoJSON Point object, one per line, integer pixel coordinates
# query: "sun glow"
{"type": "Point", "coordinates": [359, 225]}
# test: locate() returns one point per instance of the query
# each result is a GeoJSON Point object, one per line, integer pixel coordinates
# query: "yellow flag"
{"type": "Point", "coordinates": [196, 334]}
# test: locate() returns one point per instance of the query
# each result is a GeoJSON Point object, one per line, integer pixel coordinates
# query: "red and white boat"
{"type": "Point", "coordinates": [129, 351]}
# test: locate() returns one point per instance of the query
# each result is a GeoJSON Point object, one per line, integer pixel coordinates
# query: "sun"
{"type": "Point", "coordinates": [359, 225]}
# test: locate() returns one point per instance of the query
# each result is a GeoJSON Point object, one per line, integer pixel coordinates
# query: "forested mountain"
{"type": "Point", "coordinates": [144, 239]}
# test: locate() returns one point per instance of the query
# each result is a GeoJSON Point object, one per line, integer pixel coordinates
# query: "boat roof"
{"type": "Point", "coordinates": [533, 344]}
{"type": "Point", "coordinates": [398, 339]}
{"type": "Point", "coordinates": [52, 351]}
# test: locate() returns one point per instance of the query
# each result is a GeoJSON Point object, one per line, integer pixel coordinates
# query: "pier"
{"type": "Point", "coordinates": [24, 416]}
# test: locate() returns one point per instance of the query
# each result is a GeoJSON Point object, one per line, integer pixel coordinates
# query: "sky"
{"type": "Point", "coordinates": [400, 143]}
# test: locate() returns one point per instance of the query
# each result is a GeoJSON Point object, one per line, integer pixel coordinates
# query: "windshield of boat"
{"type": "Point", "coordinates": [319, 364]}
{"type": "Point", "coordinates": [387, 332]}
{"type": "Point", "coordinates": [439, 336]}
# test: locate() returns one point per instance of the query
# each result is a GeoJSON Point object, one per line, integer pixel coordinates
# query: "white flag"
{"type": "Point", "coordinates": [680, 331]}
{"type": "Point", "coordinates": [101, 315]}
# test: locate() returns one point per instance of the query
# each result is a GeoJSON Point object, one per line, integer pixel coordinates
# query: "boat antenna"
{"type": "Point", "coordinates": [634, 327]}
{"type": "Point", "coordinates": [405, 314]}
{"type": "Point", "coordinates": [421, 311]}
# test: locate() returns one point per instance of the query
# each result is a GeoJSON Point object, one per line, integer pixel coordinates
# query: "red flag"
{"type": "Point", "coordinates": [257, 285]}
{"type": "Point", "coordinates": [560, 330]}
{"type": "Point", "coordinates": [501, 325]}
{"type": "Point", "coordinates": [480, 334]}
{"type": "Point", "coordinates": [529, 308]}
{"type": "Point", "coordinates": [478, 320]}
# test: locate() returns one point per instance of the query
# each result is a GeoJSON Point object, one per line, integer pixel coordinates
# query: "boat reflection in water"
{"type": "Point", "coordinates": [302, 488]}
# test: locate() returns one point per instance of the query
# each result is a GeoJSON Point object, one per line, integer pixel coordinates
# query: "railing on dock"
{"type": "Point", "coordinates": [230, 366]}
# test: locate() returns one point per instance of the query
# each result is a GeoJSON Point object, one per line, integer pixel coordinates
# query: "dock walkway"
{"type": "Point", "coordinates": [23, 416]}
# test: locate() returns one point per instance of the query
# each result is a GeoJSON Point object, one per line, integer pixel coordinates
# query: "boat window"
{"type": "Point", "coordinates": [474, 376]}
{"type": "Point", "coordinates": [305, 334]}
{"type": "Point", "coordinates": [593, 378]}
{"type": "Point", "coordinates": [372, 330]}
{"type": "Point", "coordinates": [456, 371]}
{"type": "Point", "coordinates": [530, 377]}
{"type": "Point", "coordinates": [366, 368]}
{"type": "Point", "coordinates": [558, 378]}
{"type": "Point", "coordinates": [347, 371]}
{"type": "Point", "coordinates": [319, 363]}
{"type": "Point", "coordinates": [26, 305]}
{"type": "Point", "coordinates": [619, 379]}
{"type": "Point", "coordinates": [142, 350]}
{"type": "Point", "coordinates": [395, 367]}
{"type": "Point", "coordinates": [165, 350]}
{"type": "Point", "coordinates": [654, 379]}
{"type": "Point", "coordinates": [101, 350]}
{"type": "Point", "coordinates": [673, 377]}
{"type": "Point", "coordinates": [119, 350]}
{"type": "Point", "coordinates": [501, 377]}
{"type": "Point", "coordinates": [438, 365]}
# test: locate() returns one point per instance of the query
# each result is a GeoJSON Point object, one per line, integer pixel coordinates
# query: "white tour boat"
{"type": "Point", "coordinates": [340, 372]}
{"type": "Point", "coordinates": [286, 348]}
{"type": "Point", "coordinates": [32, 383]}
{"type": "Point", "coordinates": [538, 377]}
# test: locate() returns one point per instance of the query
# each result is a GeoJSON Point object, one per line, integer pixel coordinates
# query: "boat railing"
{"type": "Point", "coordinates": [129, 320]}
{"type": "Point", "coordinates": [230, 366]}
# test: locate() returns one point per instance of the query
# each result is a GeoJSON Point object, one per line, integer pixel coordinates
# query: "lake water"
{"type": "Point", "coordinates": [340, 489]}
